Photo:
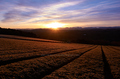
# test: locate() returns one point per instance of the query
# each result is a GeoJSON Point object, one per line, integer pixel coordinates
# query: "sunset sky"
{"type": "Point", "coordinates": [70, 13]}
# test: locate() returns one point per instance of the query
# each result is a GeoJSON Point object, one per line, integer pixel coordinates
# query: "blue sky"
{"type": "Point", "coordinates": [71, 13]}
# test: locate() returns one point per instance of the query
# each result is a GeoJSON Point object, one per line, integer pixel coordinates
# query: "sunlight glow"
{"type": "Point", "coordinates": [55, 25]}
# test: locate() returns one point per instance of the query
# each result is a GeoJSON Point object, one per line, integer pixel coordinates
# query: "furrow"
{"type": "Point", "coordinates": [31, 57]}
{"type": "Point", "coordinates": [107, 70]}
{"type": "Point", "coordinates": [87, 66]}
{"type": "Point", "coordinates": [63, 64]}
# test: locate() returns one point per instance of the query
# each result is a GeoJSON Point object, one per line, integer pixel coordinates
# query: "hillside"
{"type": "Point", "coordinates": [98, 36]}
{"type": "Point", "coordinates": [25, 59]}
{"type": "Point", "coordinates": [101, 36]}
{"type": "Point", "coordinates": [16, 32]}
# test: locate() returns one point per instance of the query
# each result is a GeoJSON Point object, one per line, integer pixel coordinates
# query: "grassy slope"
{"type": "Point", "coordinates": [63, 63]}
{"type": "Point", "coordinates": [113, 58]}
{"type": "Point", "coordinates": [37, 67]}
{"type": "Point", "coordinates": [89, 65]}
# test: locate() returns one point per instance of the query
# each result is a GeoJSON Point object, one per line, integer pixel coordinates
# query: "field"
{"type": "Point", "coordinates": [28, 58]}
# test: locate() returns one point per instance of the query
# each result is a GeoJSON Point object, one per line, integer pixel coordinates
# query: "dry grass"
{"type": "Point", "coordinates": [37, 67]}
{"type": "Point", "coordinates": [14, 49]}
{"type": "Point", "coordinates": [89, 65]}
{"type": "Point", "coordinates": [27, 38]}
{"type": "Point", "coordinates": [35, 59]}
{"type": "Point", "coordinates": [113, 58]}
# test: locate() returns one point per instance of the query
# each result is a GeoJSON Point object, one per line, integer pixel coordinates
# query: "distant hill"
{"type": "Point", "coordinates": [84, 28]}
{"type": "Point", "coordinates": [16, 32]}
{"type": "Point", "coordinates": [90, 35]}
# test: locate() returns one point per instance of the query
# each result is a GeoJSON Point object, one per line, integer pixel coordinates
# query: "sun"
{"type": "Point", "coordinates": [55, 25]}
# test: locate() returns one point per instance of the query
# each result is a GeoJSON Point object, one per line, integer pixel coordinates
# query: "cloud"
{"type": "Point", "coordinates": [67, 11]}
{"type": "Point", "coordinates": [53, 12]}
{"type": "Point", "coordinates": [19, 13]}
{"type": "Point", "coordinates": [16, 15]}
{"type": "Point", "coordinates": [36, 3]}
{"type": "Point", "coordinates": [95, 13]}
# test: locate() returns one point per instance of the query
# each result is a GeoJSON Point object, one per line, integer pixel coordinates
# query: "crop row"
{"type": "Point", "coordinates": [36, 49]}
{"type": "Point", "coordinates": [32, 55]}
{"type": "Point", "coordinates": [113, 58]}
{"type": "Point", "coordinates": [39, 67]}
{"type": "Point", "coordinates": [11, 46]}
{"type": "Point", "coordinates": [88, 66]}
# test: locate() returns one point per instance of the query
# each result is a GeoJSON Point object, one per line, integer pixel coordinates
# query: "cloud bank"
{"type": "Point", "coordinates": [71, 12]}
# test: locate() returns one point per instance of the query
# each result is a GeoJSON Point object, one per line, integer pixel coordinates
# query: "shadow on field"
{"type": "Point", "coordinates": [107, 70]}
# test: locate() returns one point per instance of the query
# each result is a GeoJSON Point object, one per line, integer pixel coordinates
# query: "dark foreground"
{"type": "Point", "coordinates": [31, 59]}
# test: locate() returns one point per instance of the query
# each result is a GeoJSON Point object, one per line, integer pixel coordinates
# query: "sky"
{"type": "Point", "coordinates": [70, 13]}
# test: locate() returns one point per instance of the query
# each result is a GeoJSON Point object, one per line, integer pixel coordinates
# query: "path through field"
{"type": "Point", "coordinates": [29, 58]}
